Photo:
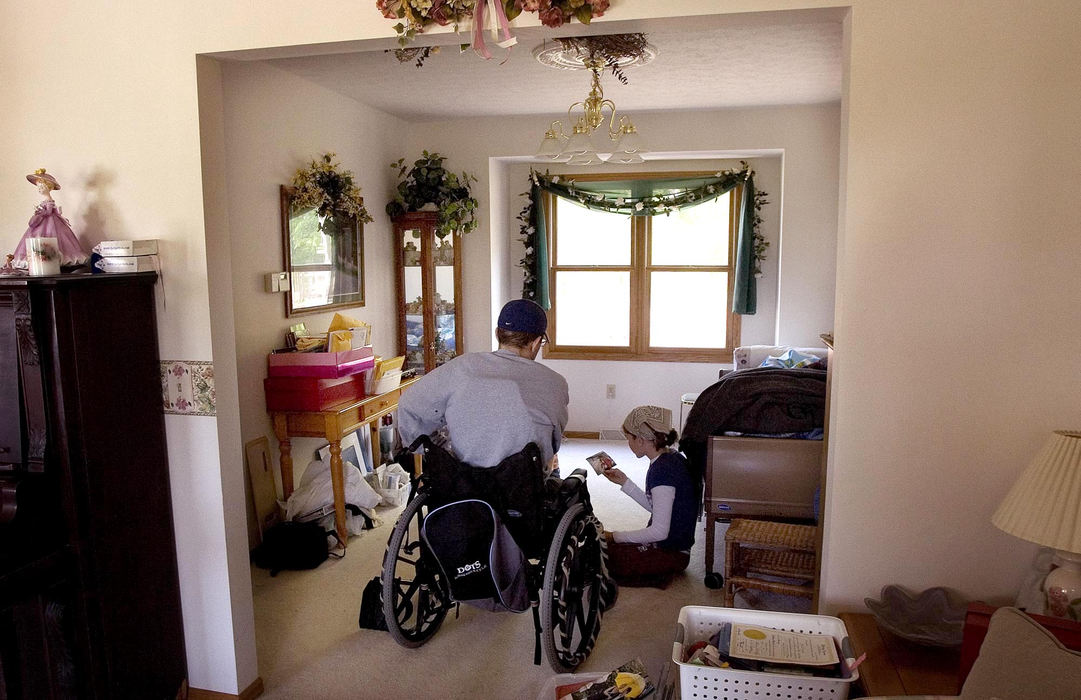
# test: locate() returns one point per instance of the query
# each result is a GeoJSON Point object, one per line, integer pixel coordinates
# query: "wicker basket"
{"type": "Point", "coordinates": [756, 548]}
{"type": "Point", "coordinates": [696, 682]}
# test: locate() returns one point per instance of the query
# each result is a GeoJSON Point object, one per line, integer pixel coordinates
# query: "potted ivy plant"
{"type": "Point", "coordinates": [428, 186]}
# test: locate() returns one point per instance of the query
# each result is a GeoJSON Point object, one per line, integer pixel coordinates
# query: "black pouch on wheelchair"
{"type": "Point", "coordinates": [514, 487]}
{"type": "Point", "coordinates": [478, 556]}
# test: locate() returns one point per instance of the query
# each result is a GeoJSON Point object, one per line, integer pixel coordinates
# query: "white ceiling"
{"type": "Point", "coordinates": [715, 62]}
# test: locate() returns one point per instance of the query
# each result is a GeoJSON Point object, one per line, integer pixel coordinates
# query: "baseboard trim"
{"type": "Point", "coordinates": [584, 434]}
{"type": "Point", "coordinates": [254, 690]}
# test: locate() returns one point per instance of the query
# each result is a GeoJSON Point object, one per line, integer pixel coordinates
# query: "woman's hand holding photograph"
{"type": "Point", "coordinates": [614, 475]}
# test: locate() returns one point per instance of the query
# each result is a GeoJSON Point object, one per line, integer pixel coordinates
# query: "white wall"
{"type": "Point", "coordinates": [276, 123]}
{"type": "Point", "coordinates": [958, 290]}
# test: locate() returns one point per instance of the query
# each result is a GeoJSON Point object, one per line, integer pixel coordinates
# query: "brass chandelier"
{"type": "Point", "coordinates": [595, 54]}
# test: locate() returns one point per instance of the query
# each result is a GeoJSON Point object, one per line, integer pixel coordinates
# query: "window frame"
{"type": "Point", "coordinates": [640, 269]}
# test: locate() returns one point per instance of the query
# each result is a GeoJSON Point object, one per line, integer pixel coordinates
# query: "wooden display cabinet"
{"type": "Point", "coordinates": [428, 270]}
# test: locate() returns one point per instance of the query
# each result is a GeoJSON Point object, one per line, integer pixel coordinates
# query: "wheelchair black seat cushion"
{"type": "Point", "coordinates": [514, 488]}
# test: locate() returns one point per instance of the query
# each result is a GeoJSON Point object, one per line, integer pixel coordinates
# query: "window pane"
{"type": "Point", "coordinates": [693, 236]}
{"type": "Point", "coordinates": [593, 308]}
{"type": "Point", "coordinates": [687, 309]}
{"type": "Point", "coordinates": [587, 237]}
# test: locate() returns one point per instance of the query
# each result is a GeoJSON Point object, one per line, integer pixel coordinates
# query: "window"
{"type": "Point", "coordinates": [643, 288]}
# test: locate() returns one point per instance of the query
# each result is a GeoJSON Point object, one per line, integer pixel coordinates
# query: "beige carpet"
{"type": "Point", "coordinates": [310, 646]}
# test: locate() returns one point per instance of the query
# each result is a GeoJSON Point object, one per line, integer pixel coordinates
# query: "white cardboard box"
{"type": "Point", "coordinates": [110, 249]}
{"type": "Point", "coordinates": [132, 263]}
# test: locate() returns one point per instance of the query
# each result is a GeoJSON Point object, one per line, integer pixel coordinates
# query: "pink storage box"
{"type": "Point", "coordinates": [325, 365]}
{"type": "Point", "coordinates": [311, 393]}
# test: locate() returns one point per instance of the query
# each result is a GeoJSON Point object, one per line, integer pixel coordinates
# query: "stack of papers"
{"type": "Point", "coordinates": [128, 256]}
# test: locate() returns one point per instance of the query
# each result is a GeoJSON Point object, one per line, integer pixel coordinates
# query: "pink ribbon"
{"type": "Point", "coordinates": [502, 26]}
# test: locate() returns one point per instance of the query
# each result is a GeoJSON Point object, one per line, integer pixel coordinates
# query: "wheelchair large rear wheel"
{"type": "Point", "coordinates": [415, 598]}
{"type": "Point", "coordinates": [570, 599]}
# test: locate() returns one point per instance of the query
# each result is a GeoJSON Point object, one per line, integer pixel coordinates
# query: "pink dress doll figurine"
{"type": "Point", "coordinates": [48, 222]}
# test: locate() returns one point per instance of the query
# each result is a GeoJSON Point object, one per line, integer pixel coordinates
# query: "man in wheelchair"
{"type": "Point", "coordinates": [488, 524]}
{"type": "Point", "coordinates": [492, 404]}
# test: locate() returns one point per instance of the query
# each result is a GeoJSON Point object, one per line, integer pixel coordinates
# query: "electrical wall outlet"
{"type": "Point", "coordinates": [276, 282]}
{"type": "Point", "coordinates": [610, 392]}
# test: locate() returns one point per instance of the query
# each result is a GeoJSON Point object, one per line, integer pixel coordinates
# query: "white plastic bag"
{"type": "Point", "coordinates": [316, 493]}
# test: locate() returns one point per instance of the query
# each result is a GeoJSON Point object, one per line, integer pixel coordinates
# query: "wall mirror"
{"type": "Point", "coordinates": [324, 257]}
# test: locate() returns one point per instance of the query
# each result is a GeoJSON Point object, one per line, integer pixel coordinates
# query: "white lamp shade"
{"type": "Point", "coordinates": [550, 148]}
{"type": "Point", "coordinates": [625, 158]}
{"type": "Point", "coordinates": [630, 142]}
{"type": "Point", "coordinates": [579, 142]}
{"type": "Point", "coordinates": [1044, 506]}
{"type": "Point", "coordinates": [585, 158]}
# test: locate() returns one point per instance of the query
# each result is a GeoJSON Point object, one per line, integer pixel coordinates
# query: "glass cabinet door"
{"type": "Point", "coordinates": [429, 291]}
{"type": "Point", "coordinates": [443, 300]}
{"type": "Point", "coordinates": [411, 243]}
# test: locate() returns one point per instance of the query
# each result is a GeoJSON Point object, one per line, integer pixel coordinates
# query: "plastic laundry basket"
{"type": "Point", "coordinates": [697, 623]}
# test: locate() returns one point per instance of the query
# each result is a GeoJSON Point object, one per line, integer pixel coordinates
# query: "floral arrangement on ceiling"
{"type": "Point", "coordinates": [613, 49]}
{"type": "Point", "coordinates": [427, 185]}
{"type": "Point", "coordinates": [327, 189]}
{"type": "Point", "coordinates": [417, 15]}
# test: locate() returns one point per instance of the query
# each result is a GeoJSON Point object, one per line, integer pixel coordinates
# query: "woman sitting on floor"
{"type": "Point", "coordinates": [652, 555]}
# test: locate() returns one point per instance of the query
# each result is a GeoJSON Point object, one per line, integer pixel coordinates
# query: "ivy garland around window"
{"type": "Point", "coordinates": [650, 205]}
{"type": "Point", "coordinates": [528, 263]}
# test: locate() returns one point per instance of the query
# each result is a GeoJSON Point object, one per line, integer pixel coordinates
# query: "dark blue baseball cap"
{"type": "Point", "coordinates": [524, 316]}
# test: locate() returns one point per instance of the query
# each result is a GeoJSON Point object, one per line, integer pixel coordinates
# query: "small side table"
{"type": "Point", "coordinates": [896, 666]}
{"type": "Point", "coordinates": [766, 547]}
{"type": "Point", "coordinates": [333, 424]}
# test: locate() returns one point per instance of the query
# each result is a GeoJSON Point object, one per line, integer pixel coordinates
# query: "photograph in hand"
{"type": "Point", "coordinates": [601, 462]}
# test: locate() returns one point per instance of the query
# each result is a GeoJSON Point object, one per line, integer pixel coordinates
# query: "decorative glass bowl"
{"type": "Point", "coordinates": [935, 617]}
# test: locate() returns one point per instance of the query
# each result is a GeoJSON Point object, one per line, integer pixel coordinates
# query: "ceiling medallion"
{"type": "Point", "coordinates": [615, 50]}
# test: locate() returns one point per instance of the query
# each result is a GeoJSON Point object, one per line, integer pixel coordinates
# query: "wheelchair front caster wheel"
{"type": "Point", "coordinates": [714, 580]}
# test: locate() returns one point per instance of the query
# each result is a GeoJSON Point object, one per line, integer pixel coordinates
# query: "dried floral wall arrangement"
{"type": "Point", "coordinates": [325, 188]}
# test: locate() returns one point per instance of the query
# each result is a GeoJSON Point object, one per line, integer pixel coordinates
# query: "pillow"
{"type": "Point", "coordinates": [748, 356]}
{"type": "Point", "coordinates": [1020, 660]}
{"type": "Point", "coordinates": [790, 358]}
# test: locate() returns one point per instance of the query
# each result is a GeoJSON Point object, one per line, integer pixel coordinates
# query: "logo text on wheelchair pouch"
{"type": "Point", "coordinates": [474, 568]}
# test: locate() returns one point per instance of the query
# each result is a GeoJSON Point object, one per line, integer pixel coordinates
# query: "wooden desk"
{"type": "Point", "coordinates": [896, 666]}
{"type": "Point", "coordinates": [333, 424]}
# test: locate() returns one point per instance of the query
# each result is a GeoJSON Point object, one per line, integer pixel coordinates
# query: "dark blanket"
{"type": "Point", "coordinates": [761, 400]}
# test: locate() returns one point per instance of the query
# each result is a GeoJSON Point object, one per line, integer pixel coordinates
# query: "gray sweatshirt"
{"type": "Point", "coordinates": [492, 404]}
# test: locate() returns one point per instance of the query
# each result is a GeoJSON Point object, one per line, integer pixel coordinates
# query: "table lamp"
{"type": "Point", "coordinates": [1044, 507]}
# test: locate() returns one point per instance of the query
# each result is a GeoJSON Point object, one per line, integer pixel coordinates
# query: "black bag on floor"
{"type": "Point", "coordinates": [371, 606]}
{"type": "Point", "coordinates": [291, 545]}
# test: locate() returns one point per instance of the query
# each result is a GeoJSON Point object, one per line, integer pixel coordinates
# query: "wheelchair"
{"type": "Point", "coordinates": [556, 551]}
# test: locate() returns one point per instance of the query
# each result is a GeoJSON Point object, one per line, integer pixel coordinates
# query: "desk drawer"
{"type": "Point", "coordinates": [382, 403]}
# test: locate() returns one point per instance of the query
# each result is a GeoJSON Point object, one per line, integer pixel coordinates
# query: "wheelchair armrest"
{"type": "Point", "coordinates": [573, 484]}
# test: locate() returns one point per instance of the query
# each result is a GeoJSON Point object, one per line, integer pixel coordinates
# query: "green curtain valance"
{"type": "Point", "coordinates": [645, 197]}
